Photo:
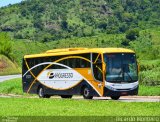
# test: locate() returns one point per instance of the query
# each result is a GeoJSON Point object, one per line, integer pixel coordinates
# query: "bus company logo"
{"type": "Point", "coordinates": [52, 75]}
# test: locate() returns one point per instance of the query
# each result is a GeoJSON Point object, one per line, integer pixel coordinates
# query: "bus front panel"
{"type": "Point", "coordinates": [121, 74]}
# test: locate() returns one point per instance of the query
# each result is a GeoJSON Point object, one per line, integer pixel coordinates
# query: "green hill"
{"type": "Point", "coordinates": [8, 67]}
{"type": "Point", "coordinates": [56, 19]}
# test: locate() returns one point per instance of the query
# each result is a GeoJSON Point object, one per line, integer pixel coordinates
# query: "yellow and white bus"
{"type": "Point", "coordinates": [81, 71]}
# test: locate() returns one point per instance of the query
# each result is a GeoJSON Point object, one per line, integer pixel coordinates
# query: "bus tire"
{"type": "Point", "coordinates": [115, 97]}
{"type": "Point", "coordinates": [86, 93]}
{"type": "Point", "coordinates": [47, 96]}
{"type": "Point", "coordinates": [66, 96]}
{"type": "Point", "coordinates": [41, 93]}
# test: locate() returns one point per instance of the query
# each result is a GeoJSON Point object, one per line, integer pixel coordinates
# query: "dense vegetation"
{"type": "Point", "coordinates": [35, 26]}
{"type": "Point", "coordinates": [6, 46]}
{"type": "Point", "coordinates": [55, 19]}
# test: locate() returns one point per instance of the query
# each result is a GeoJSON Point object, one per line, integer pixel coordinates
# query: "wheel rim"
{"type": "Point", "coordinates": [41, 92]}
{"type": "Point", "coordinates": [86, 92]}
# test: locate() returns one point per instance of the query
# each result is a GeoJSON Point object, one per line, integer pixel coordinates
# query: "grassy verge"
{"type": "Point", "coordinates": [70, 107]}
{"type": "Point", "coordinates": [149, 90]}
{"type": "Point", "coordinates": [7, 67]}
{"type": "Point", "coordinates": [14, 86]}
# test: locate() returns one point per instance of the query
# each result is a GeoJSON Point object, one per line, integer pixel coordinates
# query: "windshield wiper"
{"type": "Point", "coordinates": [129, 76]}
{"type": "Point", "coordinates": [124, 71]}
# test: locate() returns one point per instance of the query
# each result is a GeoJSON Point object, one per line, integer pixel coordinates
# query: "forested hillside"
{"type": "Point", "coordinates": [47, 20]}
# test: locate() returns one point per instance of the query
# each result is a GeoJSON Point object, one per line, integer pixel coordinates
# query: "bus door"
{"type": "Point", "coordinates": [98, 72]}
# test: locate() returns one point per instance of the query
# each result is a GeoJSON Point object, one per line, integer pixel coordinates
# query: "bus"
{"type": "Point", "coordinates": [100, 72]}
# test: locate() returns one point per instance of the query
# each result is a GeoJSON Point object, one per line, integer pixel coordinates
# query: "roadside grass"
{"type": "Point", "coordinates": [150, 72]}
{"type": "Point", "coordinates": [71, 107]}
{"type": "Point", "coordinates": [149, 90]}
{"type": "Point", "coordinates": [14, 86]}
{"type": "Point", "coordinates": [7, 67]}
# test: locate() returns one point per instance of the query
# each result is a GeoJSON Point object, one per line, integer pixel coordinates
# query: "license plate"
{"type": "Point", "coordinates": [123, 93]}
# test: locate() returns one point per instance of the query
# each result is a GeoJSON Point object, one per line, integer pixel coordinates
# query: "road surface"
{"type": "Point", "coordinates": [133, 98]}
{"type": "Point", "coordinates": [8, 77]}
{"type": "Point", "coordinates": [122, 99]}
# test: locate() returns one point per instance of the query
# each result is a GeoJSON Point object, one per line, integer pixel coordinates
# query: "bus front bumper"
{"type": "Point", "coordinates": [122, 92]}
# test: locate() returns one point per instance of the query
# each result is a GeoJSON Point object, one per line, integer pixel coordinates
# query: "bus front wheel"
{"type": "Point", "coordinates": [41, 93]}
{"type": "Point", "coordinates": [86, 93]}
{"type": "Point", "coordinates": [115, 97]}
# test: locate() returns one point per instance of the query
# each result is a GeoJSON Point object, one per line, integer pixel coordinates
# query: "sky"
{"type": "Point", "coordinates": [7, 2]}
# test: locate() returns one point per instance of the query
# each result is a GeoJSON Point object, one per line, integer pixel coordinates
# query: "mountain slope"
{"type": "Point", "coordinates": [54, 19]}
{"type": "Point", "coordinates": [7, 66]}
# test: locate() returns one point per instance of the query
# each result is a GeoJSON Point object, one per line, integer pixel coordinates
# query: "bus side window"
{"type": "Point", "coordinates": [77, 63]}
{"type": "Point", "coordinates": [84, 63]}
{"type": "Point", "coordinates": [71, 62]}
{"type": "Point", "coordinates": [64, 62]}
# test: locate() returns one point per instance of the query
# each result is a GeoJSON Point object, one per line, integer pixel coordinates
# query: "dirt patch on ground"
{"type": "Point", "coordinates": [3, 64]}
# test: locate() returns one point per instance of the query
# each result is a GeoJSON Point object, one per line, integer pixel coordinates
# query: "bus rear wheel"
{"type": "Point", "coordinates": [66, 96]}
{"type": "Point", "coordinates": [115, 97]}
{"type": "Point", "coordinates": [41, 93]}
{"type": "Point", "coordinates": [86, 93]}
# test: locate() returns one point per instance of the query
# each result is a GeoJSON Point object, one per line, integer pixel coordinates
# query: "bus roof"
{"type": "Point", "coordinates": [69, 51]}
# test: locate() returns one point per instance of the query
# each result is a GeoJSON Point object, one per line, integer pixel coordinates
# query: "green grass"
{"type": "Point", "coordinates": [70, 107]}
{"type": "Point", "coordinates": [149, 64]}
{"type": "Point", "coordinates": [149, 90]}
{"type": "Point", "coordinates": [150, 72]}
{"type": "Point", "coordinates": [26, 47]}
{"type": "Point", "coordinates": [14, 86]}
{"type": "Point", "coordinates": [155, 35]}
{"type": "Point", "coordinates": [7, 67]}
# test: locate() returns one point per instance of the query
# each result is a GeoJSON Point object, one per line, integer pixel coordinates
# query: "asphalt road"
{"type": "Point", "coordinates": [8, 77]}
{"type": "Point", "coordinates": [122, 98]}
{"type": "Point", "coordinates": [133, 98]}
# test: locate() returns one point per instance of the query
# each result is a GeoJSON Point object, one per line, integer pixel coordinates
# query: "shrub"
{"type": "Point", "coordinates": [132, 34]}
{"type": "Point", "coordinates": [5, 45]}
{"type": "Point", "coordinates": [149, 64]}
{"type": "Point", "coordinates": [151, 78]}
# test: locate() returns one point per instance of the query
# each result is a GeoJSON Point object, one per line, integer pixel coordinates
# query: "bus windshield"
{"type": "Point", "coordinates": [121, 67]}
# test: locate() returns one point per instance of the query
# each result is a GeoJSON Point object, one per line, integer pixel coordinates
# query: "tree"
{"type": "Point", "coordinates": [5, 45]}
{"type": "Point", "coordinates": [132, 34]}
{"type": "Point", "coordinates": [123, 27]}
{"type": "Point", "coordinates": [125, 42]}
{"type": "Point", "coordinates": [88, 31]}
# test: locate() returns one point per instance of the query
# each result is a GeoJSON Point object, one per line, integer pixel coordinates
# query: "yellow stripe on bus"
{"type": "Point", "coordinates": [52, 64]}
